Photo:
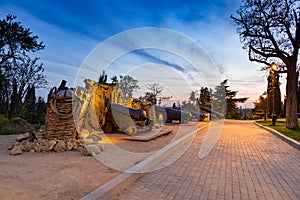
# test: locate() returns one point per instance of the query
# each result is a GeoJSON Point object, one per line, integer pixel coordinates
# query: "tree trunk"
{"type": "Point", "coordinates": [291, 97]}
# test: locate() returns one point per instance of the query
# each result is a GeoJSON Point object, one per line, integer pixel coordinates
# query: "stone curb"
{"type": "Point", "coordinates": [288, 140]}
{"type": "Point", "coordinates": [111, 188]}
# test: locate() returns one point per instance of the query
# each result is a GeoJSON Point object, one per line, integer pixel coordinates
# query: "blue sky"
{"type": "Point", "coordinates": [72, 29]}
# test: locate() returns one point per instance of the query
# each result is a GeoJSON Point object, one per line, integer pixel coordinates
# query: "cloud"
{"type": "Point", "coordinates": [154, 59]}
{"type": "Point", "coordinates": [71, 30]}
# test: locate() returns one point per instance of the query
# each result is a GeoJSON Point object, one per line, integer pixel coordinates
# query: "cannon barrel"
{"type": "Point", "coordinates": [176, 114]}
{"type": "Point", "coordinates": [218, 115]}
{"type": "Point", "coordinates": [200, 116]}
{"type": "Point", "coordinates": [171, 114]}
{"type": "Point", "coordinates": [135, 114]}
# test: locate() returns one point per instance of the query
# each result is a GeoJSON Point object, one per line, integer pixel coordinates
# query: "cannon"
{"type": "Point", "coordinates": [169, 114]}
{"type": "Point", "coordinates": [176, 114]}
{"type": "Point", "coordinates": [101, 105]}
{"type": "Point", "coordinates": [129, 120]}
{"type": "Point", "coordinates": [199, 116]}
{"type": "Point", "coordinates": [213, 114]}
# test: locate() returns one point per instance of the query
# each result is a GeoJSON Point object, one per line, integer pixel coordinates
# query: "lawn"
{"type": "Point", "coordinates": [280, 127]}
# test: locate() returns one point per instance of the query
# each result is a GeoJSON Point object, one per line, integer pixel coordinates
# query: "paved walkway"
{"type": "Point", "coordinates": [246, 163]}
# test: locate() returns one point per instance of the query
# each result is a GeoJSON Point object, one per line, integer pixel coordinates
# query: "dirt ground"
{"type": "Point", "coordinates": [68, 175]}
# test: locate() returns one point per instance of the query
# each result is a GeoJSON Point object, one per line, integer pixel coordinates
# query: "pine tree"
{"type": "Point", "coordinates": [192, 97]}
{"type": "Point", "coordinates": [102, 77]}
{"type": "Point", "coordinates": [204, 100]}
{"type": "Point", "coordinates": [29, 108]}
{"type": "Point", "coordinates": [14, 102]}
{"type": "Point", "coordinates": [40, 111]}
{"type": "Point", "coordinates": [223, 96]}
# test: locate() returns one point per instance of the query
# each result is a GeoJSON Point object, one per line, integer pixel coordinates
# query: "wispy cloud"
{"type": "Point", "coordinates": [154, 59]}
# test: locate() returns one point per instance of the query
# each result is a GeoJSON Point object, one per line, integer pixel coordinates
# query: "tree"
{"type": "Point", "coordinates": [16, 41]}
{"type": "Point", "coordinates": [4, 91]}
{"type": "Point", "coordinates": [14, 101]}
{"type": "Point", "coordinates": [192, 97]}
{"type": "Point", "coordinates": [261, 106]}
{"type": "Point", "coordinates": [114, 80]}
{"type": "Point", "coordinates": [218, 99]}
{"type": "Point", "coordinates": [128, 85]}
{"type": "Point", "coordinates": [102, 77]}
{"type": "Point", "coordinates": [17, 69]}
{"type": "Point", "coordinates": [29, 107]}
{"type": "Point", "coordinates": [150, 97]}
{"type": "Point", "coordinates": [27, 73]}
{"type": "Point", "coordinates": [188, 105]}
{"type": "Point", "coordinates": [222, 95]}
{"type": "Point", "coordinates": [270, 31]}
{"type": "Point", "coordinates": [41, 110]}
{"type": "Point", "coordinates": [155, 90]}
{"type": "Point", "coordinates": [204, 100]}
{"type": "Point", "coordinates": [34, 112]}
{"type": "Point", "coordinates": [273, 89]}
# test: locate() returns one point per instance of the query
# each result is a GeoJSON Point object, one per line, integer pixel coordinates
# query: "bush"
{"type": "Point", "coordinates": [3, 121]}
{"type": "Point", "coordinates": [14, 126]}
{"type": "Point", "coordinates": [4, 126]}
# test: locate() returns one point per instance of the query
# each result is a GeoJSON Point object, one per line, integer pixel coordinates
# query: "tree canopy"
{"type": "Point", "coordinates": [204, 100]}
{"type": "Point", "coordinates": [102, 77]}
{"type": "Point", "coordinates": [223, 96]}
{"type": "Point", "coordinates": [16, 41]}
{"type": "Point", "coordinates": [128, 85]}
{"type": "Point", "coordinates": [154, 90]}
{"type": "Point", "coordinates": [19, 69]}
{"type": "Point", "coordinates": [221, 100]}
{"type": "Point", "coordinates": [261, 106]}
{"type": "Point", "coordinates": [270, 31]}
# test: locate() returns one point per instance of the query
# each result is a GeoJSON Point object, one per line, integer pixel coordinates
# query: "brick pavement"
{"type": "Point", "coordinates": [246, 163]}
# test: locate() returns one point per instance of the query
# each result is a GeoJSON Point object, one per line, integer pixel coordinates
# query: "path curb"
{"type": "Point", "coordinates": [118, 184]}
{"type": "Point", "coordinates": [288, 140]}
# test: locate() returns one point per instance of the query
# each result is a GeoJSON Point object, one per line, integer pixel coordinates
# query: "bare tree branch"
{"type": "Point", "coordinates": [270, 30]}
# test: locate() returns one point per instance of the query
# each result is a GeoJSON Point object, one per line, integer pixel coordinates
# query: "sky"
{"type": "Point", "coordinates": [75, 31]}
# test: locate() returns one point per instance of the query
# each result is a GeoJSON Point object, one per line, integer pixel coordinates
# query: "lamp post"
{"type": "Point", "coordinates": [265, 104]}
{"type": "Point", "coordinates": [274, 84]}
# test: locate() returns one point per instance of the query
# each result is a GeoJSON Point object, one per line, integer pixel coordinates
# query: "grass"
{"type": "Point", "coordinates": [4, 126]}
{"type": "Point", "coordinates": [280, 127]}
{"type": "Point", "coordinates": [15, 126]}
{"type": "Point", "coordinates": [6, 130]}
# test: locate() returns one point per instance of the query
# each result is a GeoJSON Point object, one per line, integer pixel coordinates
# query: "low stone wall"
{"type": "Point", "coordinates": [59, 122]}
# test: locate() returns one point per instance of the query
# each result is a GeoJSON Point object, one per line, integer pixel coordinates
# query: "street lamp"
{"type": "Point", "coordinates": [274, 69]}
{"type": "Point", "coordinates": [264, 98]}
